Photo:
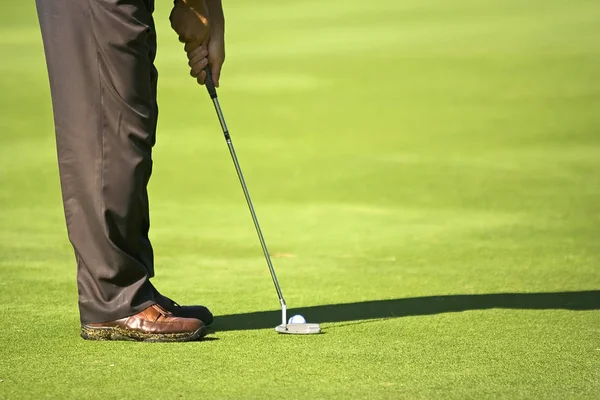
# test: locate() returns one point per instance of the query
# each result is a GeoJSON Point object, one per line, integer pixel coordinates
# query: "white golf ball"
{"type": "Point", "coordinates": [297, 319]}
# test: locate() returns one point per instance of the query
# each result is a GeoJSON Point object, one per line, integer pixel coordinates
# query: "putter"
{"type": "Point", "coordinates": [284, 327]}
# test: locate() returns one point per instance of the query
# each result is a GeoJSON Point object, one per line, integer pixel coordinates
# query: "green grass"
{"type": "Point", "coordinates": [427, 155]}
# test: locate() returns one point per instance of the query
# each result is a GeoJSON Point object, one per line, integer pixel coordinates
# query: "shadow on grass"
{"type": "Point", "coordinates": [587, 300]}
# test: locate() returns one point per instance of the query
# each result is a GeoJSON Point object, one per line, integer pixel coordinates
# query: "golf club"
{"type": "Point", "coordinates": [284, 327]}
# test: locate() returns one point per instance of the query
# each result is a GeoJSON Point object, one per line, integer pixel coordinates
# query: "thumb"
{"type": "Point", "coordinates": [215, 69]}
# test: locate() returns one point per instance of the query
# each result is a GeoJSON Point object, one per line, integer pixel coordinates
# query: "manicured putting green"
{"type": "Point", "coordinates": [427, 178]}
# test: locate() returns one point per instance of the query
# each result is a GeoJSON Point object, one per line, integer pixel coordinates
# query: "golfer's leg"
{"type": "Point", "coordinates": [105, 117]}
{"type": "Point", "coordinates": [146, 252]}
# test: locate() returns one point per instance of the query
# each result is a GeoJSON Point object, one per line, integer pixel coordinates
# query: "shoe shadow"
{"type": "Point", "coordinates": [395, 308]}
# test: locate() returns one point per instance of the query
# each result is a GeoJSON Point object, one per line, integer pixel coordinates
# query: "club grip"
{"type": "Point", "coordinates": [208, 82]}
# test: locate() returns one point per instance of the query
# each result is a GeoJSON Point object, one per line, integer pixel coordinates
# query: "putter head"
{"type": "Point", "coordinates": [298, 329]}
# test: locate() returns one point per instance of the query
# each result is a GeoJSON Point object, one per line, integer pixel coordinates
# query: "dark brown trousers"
{"type": "Point", "coordinates": [100, 56]}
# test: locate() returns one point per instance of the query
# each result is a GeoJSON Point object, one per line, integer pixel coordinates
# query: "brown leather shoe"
{"type": "Point", "coordinates": [154, 324]}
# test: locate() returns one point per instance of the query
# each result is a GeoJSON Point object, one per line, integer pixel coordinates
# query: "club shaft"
{"type": "Point", "coordinates": [250, 206]}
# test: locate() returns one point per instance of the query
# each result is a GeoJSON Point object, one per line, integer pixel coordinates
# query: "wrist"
{"type": "Point", "coordinates": [215, 11]}
{"type": "Point", "coordinates": [217, 30]}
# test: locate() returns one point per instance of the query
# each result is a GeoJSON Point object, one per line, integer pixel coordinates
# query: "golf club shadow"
{"type": "Point", "coordinates": [395, 308]}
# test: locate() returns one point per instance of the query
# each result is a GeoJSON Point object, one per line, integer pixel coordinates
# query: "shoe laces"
{"type": "Point", "coordinates": [163, 312]}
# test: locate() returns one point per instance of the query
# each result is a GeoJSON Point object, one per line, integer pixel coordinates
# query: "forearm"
{"type": "Point", "coordinates": [215, 15]}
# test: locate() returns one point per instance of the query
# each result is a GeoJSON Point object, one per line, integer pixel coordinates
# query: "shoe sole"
{"type": "Point", "coordinates": [116, 333]}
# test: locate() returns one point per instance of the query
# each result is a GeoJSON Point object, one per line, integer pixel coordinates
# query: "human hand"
{"type": "Point", "coordinates": [209, 53]}
{"type": "Point", "coordinates": [211, 49]}
{"type": "Point", "coordinates": [189, 19]}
